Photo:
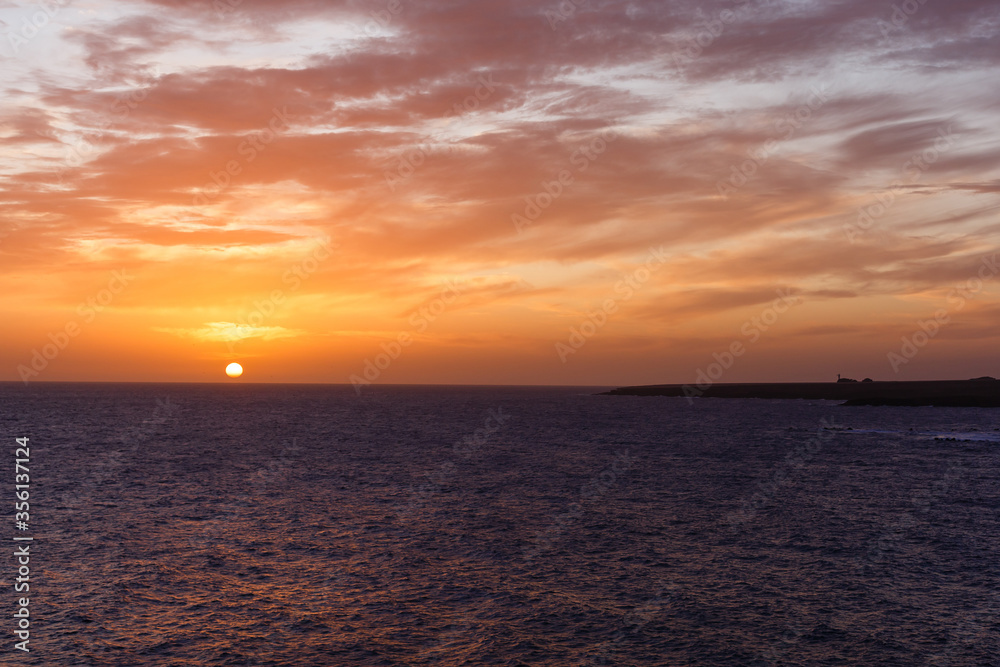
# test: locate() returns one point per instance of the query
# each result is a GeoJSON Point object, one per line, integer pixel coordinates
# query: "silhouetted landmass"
{"type": "Point", "coordinates": [978, 393]}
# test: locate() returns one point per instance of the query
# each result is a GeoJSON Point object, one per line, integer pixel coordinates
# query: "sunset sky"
{"type": "Point", "coordinates": [499, 191]}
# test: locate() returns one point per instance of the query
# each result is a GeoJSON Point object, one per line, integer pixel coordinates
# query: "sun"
{"type": "Point", "coordinates": [234, 370]}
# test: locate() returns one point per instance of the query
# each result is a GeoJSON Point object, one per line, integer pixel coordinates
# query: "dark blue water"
{"type": "Point", "coordinates": [303, 525]}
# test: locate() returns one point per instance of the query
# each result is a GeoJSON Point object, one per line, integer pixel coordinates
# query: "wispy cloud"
{"type": "Point", "coordinates": [231, 331]}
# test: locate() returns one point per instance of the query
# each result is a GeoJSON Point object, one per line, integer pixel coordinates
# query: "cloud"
{"type": "Point", "coordinates": [143, 135]}
{"type": "Point", "coordinates": [230, 332]}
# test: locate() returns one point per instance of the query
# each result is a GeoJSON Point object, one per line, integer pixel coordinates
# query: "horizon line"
{"type": "Point", "coordinates": [447, 384]}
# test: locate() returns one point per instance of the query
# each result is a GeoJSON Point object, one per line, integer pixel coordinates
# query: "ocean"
{"type": "Point", "coordinates": [240, 524]}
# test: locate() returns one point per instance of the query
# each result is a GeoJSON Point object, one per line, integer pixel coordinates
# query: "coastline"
{"type": "Point", "coordinates": [942, 393]}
